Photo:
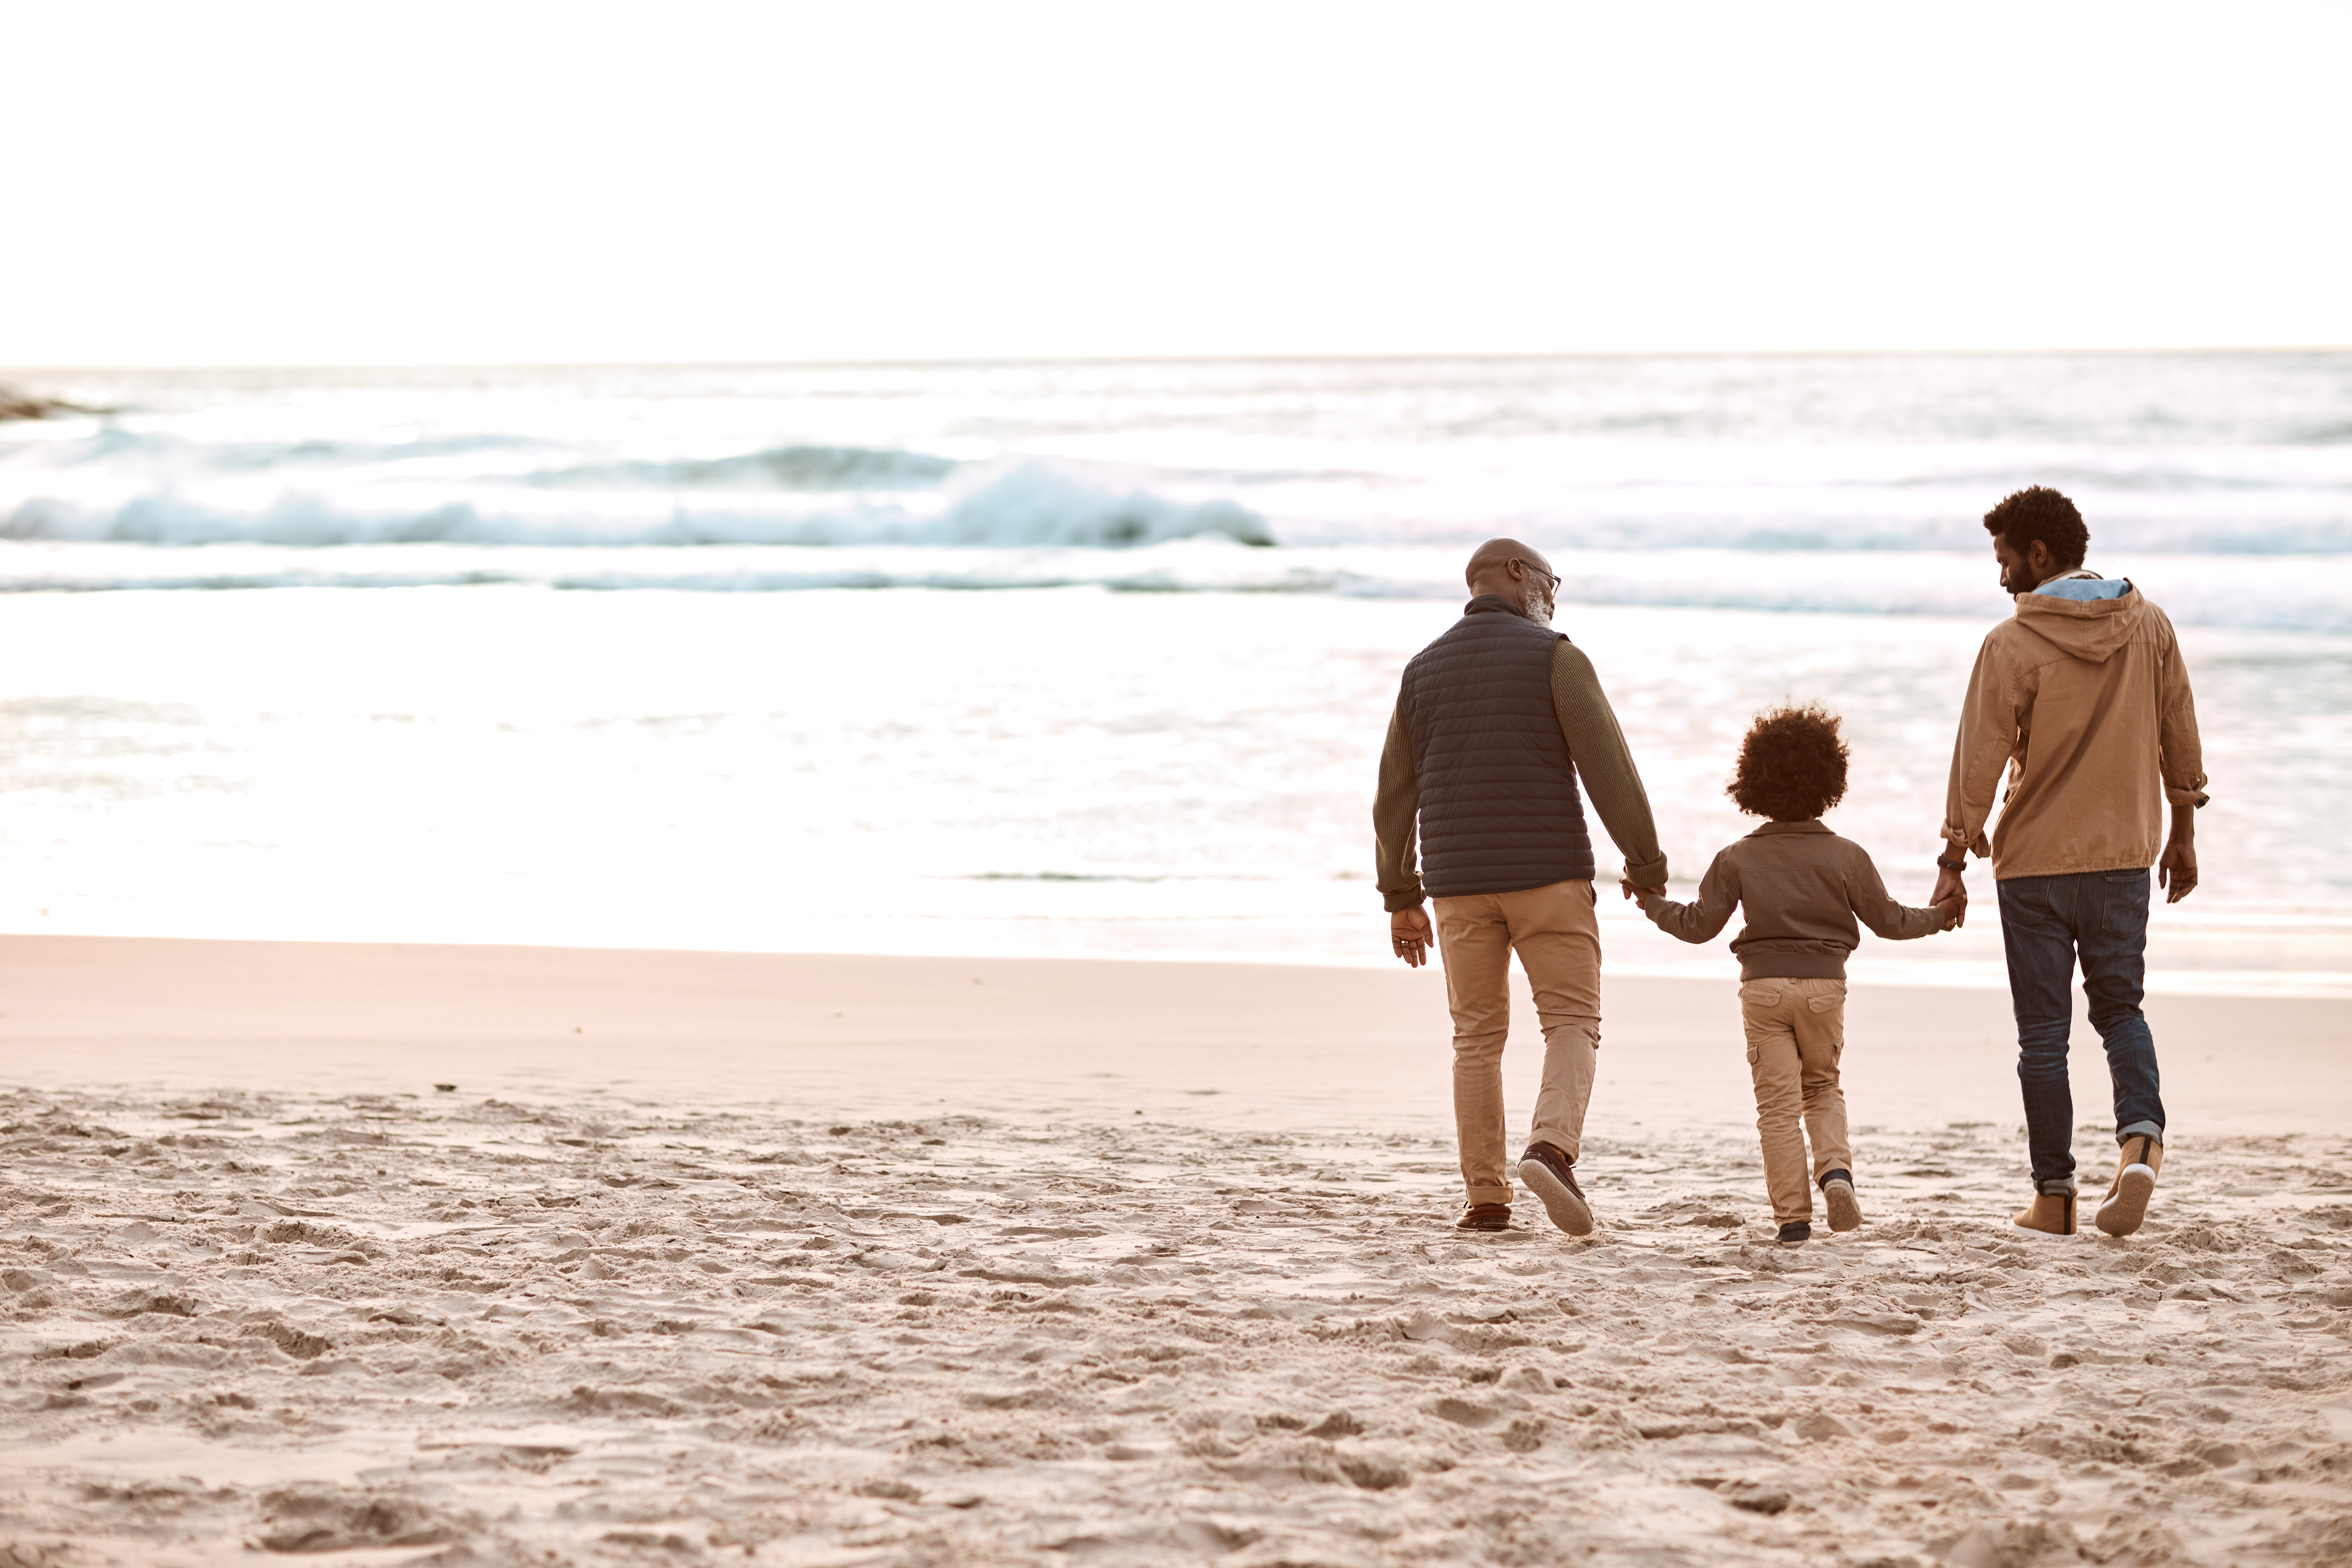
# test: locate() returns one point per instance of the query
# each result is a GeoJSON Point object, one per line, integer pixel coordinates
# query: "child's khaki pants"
{"type": "Point", "coordinates": [1796, 1032]}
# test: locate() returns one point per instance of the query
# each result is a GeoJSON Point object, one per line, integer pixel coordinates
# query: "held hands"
{"type": "Point", "coordinates": [1637, 891]}
{"type": "Point", "coordinates": [1410, 936]}
{"type": "Point", "coordinates": [1950, 890]}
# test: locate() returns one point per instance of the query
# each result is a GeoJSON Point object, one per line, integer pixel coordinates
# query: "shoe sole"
{"type": "Point", "coordinates": [1846, 1209]}
{"type": "Point", "coordinates": [1568, 1211]}
{"type": "Point", "coordinates": [2124, 1213]}
{"type": "Point", "coordinates": [2044, 1235]}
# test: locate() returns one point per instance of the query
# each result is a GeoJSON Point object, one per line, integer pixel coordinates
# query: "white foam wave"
{"type": "Point", "coordinates": [1038, 504]}
{"type": "Point", "coordinates": [774, 468]}
{"type": "Point", "coordinates": [1027, 505]}
{"type": "Point", "coordinates": [2285, 468]}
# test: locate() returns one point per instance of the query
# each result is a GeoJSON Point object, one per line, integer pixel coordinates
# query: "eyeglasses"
{"type": "Point", "coordinates": [1538, 571]}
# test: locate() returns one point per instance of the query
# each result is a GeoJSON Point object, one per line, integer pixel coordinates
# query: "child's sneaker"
{"type": "Point", "coordinates": [1796, 1233]}
{"type": "Point", "coordinates": [1837, 1192]}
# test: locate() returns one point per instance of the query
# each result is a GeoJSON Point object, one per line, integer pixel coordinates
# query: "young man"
{"type": "Point", "coordinates": [2082, 697]}
{"type": "Point", "coordinates": [1496, 721]}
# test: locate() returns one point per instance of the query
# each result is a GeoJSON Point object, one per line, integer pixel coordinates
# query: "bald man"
{"type": "Point", "coordinates": [1494, 724]}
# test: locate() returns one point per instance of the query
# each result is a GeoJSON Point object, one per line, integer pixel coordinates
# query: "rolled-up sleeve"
{"type": "Point", "coordinates": [2183, 755]}
{"type": "Point", "coordinates": [1981, 750]}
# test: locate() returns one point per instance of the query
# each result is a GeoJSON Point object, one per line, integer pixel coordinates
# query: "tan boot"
{"type": "Point", "coordinates": [2126, 1205]}
{"type": "Point", "coordinates": [2052, 1214]}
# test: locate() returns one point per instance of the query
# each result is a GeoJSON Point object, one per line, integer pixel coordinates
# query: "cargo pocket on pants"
{"type": "Point", "coordinates": [1830, 1002]}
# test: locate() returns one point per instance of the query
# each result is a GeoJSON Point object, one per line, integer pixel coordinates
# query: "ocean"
{"type": "Point", "coordinates": [1085, 657]}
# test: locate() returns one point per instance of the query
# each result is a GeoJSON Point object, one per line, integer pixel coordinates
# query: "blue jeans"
{"type": "Point", "coordinates": [2046, 924]}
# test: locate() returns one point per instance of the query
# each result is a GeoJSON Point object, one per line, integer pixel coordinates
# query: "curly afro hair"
{"type": "Point", "coordinates": [1791, 766]}
{"type": "Point", "coordinates": [2040, 512]}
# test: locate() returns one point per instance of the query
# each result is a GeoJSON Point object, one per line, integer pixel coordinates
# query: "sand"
{"type": "Point", "coordinates": [711, 1258]}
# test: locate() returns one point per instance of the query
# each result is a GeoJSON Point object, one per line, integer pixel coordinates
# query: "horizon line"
{"type": "Point", "coordinates": [1362, 357]}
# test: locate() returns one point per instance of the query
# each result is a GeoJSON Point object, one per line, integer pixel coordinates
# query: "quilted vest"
{"type": "Point", "coordinates": [1499, 810]}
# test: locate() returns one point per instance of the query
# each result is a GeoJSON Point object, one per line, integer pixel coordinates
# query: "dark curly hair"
{"type": "Point", "coordinates": [2040, 512]}
{"type": "Point", "coordinates": [1791, 766]}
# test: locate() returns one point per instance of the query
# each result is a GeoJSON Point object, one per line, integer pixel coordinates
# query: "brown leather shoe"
{"type": "Point", "coordinates": [2124, 1208]}
{"type": "Point", "coordinates": [2052, 1214]}
{"type": "Point", "coordinates": [1484, 1217]}
{"type": "Point", "coordinates": [1551, 1174]}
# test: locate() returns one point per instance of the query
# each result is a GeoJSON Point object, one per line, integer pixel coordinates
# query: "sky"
{"type": "Point", "coordinates": [244, 183]}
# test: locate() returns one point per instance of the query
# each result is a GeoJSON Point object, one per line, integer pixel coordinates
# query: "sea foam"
{"type": "Point", "coordinates": [1023, 505]}
{"type": "Point", "coordinates": [1804, 482]}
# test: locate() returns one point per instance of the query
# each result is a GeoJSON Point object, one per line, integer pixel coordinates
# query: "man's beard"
{"type": "Point", "coordinates": [1538, 607]}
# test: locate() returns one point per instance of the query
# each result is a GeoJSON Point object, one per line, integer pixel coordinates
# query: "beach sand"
{"type": "Point", "coordinates": [725, 1257]}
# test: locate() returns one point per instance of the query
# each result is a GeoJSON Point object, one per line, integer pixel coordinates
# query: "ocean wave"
{"type": "Point", "coordinates": [786, 467]}
{"type": "Point", "coordinates": [1040, 505]}
{"type": "Point", "coordinates": [2216, 457]}
{"type": "Point", "coordinates": [172, 457]}
{"type": "Point", "coordinates": [777, 467]}
{"type": "Point", "coordinates": [112, 444]}
{"type": "Point", "coordinates": [1028, 505]}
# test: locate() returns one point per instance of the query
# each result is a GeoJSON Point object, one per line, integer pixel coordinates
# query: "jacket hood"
{"type": "Point", "coordinates": [2089, 629]}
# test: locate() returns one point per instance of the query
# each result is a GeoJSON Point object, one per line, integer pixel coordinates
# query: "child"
{"type": "Point", "coordinates": [1801, 886]}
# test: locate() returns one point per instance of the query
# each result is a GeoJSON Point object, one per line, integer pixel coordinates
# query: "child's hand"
{"type": "Point", "coordinates": [1635, 891]}
{"type": "Point", "coordinates": [1951, 909]}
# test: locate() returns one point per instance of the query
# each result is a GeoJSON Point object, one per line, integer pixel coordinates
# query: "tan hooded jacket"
{"type": "Point", "coordinates": [2086, 704]}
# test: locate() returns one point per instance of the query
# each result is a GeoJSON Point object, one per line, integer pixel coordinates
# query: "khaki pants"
{"type": "Point", "coordinates": [1557, 937]}
{"type": "Point", "coordinates": [1796, 1032]}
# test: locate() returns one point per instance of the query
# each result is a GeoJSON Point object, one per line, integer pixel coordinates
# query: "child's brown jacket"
{"type": "Point", "coordinates": [1801, 886]}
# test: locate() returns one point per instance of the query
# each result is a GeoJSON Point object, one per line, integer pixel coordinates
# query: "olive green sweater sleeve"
{"type": "Point", "coordinates": [1612, 783]}
{"type": "Point", "coordinates": [1396, 810]}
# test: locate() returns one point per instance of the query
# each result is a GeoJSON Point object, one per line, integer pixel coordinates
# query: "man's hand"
{"type": "Point", "coordinates": [1635, 889]}
{"type": "Point", "coordinates": [1950, 890]}
{"type": "Point", "coordinates": [2175, 869]}
{"type": "Point", "coordinates": [1953, 911]}
{"type": "Point", "coordinates": [1409, 935]}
